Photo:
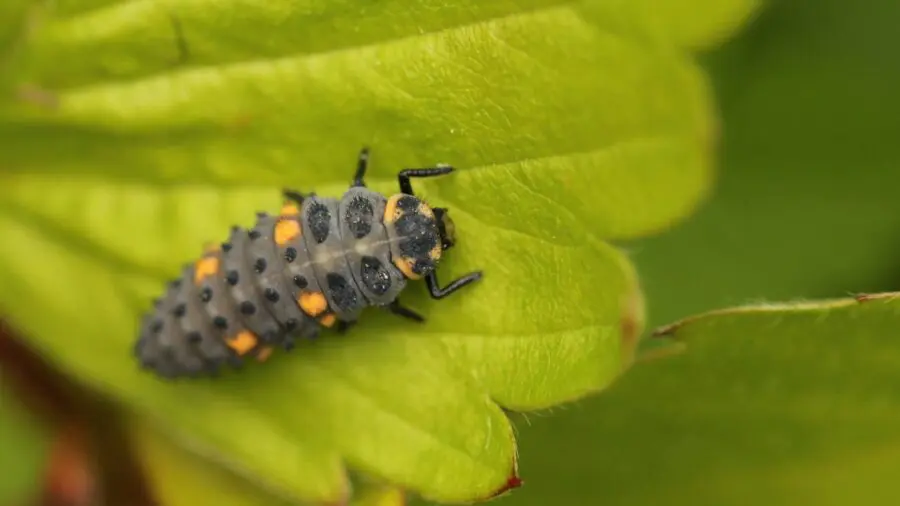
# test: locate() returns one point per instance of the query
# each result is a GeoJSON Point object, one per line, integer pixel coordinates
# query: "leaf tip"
{"type": "Point", "coordinates": [866, 297]}
{"type": "Point", "coordinates": [512, 483]}
{"type": "Point", "coordinates": [631, 324]}
{"type": "Point", "coordinates": [666, 330]}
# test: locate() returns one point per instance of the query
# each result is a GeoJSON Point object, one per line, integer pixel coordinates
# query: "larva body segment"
{"type": "Point", "coordinates": [273, 286]}
{"type": "Point", "coordinates": [330, 260]}
{"type": "Point", "coordinates": [367, 246]}
{"type": "Point", "coordinates": [297, 274]}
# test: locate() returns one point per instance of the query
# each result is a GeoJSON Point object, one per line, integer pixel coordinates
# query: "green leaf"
{"type": "Point", "coordinates": [380, 496]}
{"type": "Point", "coordinates": [565, 133]}
{"type": "Point", "coordinates": [160, 36]}
{"type": "Point", "coordinates": [793, 403]}
{"type": "Point", "coordinates": [696, 25]}
{"type": "Point", "coordinates": [174, 473]}
{"type": "Point", "coordinates": [791, 367]}
{"type": "Point", "coordinates": [180, 478]}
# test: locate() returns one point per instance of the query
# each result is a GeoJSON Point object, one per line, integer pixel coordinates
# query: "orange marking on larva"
{"type": "Point", "coordinates": [205, 267]}
{"type": "Point", "coordinates": [391, 213]}
{"type": "Point", "coordinates": [264, 353]}
{"type": "Point", "coordinates": [328, 320]}
{"type": "Point", "coordinates": [286, 230]}
{"type": "Point", "coordinates": [290, 210]}
{"type": "Point", "coordinates": [243, 342]}
{"type": "Point", "coordinates": [425, 210]}
{"type": "Point", "coordinates": [435, 253]}
{"type": "Point", "coordinates": [312, 303]}
{"type": "Point", "coordinates": [405, 265]}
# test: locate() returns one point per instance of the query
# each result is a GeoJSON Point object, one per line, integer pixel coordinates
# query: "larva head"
{"type": "Point", "coordinates": [418, 234]}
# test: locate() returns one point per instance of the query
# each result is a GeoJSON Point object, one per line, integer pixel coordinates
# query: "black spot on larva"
{"type": "Point", "coordinates": [226, 247]}
{"type": "Point", "coordinates": [419, 235]}
{"type": "Point", "coordinates": [206, 294]}
{"type": "Point", "coordinates": [341, 292]}
{"type": "Point", "coordinates": [289, 345]}
{"type": "Point", "coordinates": [269, 336]}
{"type": "Point", "coordinates": [253, 234]}
{"type": "Point", "coordinates": [261, 214]}
{"type": "Point", "coordinates": [290, 324]}
{"type": "Point", "coordinates": [247, 307]}
{"type": "Point", "coordinates": [375, 276]}
{"type": "Point", "coordinates": [290, 254]}
{"type": "Point", "coordinates": [319, 221]}
{"type": "Point", "coordinates": [231, 277]}
{"type": "Point", "coordinates": [300, 281]}
{"type": "Point", "coordinates": [193, 337]}
{"type": "Point", "coordinates": [179, 310]}
{"type": "Point", "coordinates": [259, 265]}
{"type": "Point", "coordinates": [271, 295]}
{"type": "Point", "coordinates": [156, 326]}
{"type": "Point", "coordinates": [175, 283]}
{"type": "Point", "coordinates": [359, 216]}
{"type": "Point", "coordinates": [220, 322]}
{"type": "Point", "coordinates": [407, 203]}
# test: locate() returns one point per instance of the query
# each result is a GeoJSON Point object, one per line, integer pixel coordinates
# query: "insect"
{"type": "Point", "coordinates": [317, 264]}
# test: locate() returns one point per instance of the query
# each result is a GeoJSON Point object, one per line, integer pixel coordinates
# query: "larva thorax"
{"type": "Point", "coordinates": [415, 235]}
{"type": "Point", "coordinates": [349, 249]}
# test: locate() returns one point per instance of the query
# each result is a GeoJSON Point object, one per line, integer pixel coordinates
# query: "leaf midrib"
{"type": "Point", "coordinates": [254, 184]}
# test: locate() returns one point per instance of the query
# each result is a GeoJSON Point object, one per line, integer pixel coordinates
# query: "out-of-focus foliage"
{"type": "Point", "coordinates": [178, 478]}
{"type": "Point", "coordinates": [791, 404]}
{"type": "Point", "coordinates": [22, 447]}
{"type": "Point", "coordinates": [805, 206]}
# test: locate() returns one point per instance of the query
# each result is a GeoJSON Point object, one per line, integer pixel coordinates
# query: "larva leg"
{"type": "Point", "coordinates": [405, 174]}
{"type": "Point", "coordinates": [395, 308]}
{"type": "Point", "coordinates": [295, 196]}
{"type": "Point", "coordinates": [437, 292]}
{"type": "Point", "coordinates": [343, 326]}
{"type": "Point", "coordinates": [362, 164]}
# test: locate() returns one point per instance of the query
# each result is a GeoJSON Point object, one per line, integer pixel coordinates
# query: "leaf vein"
{"type": "Point", "coordinates": [399, 417]}
{"type": "Point", "coordinates": [303, 55]}
{"type": "Point", "coordinates": [78, 241]}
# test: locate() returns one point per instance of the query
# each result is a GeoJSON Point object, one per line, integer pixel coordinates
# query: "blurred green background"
{"type": "Point", "coordinates": [22, 447]}
{"type": "Point", "coordinates": [807, 205]}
